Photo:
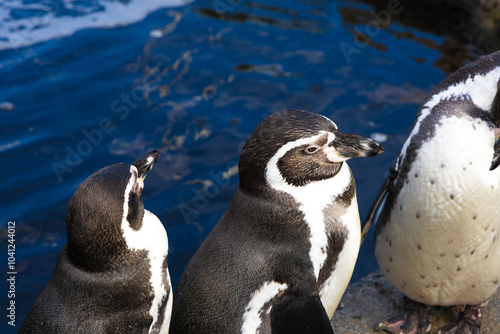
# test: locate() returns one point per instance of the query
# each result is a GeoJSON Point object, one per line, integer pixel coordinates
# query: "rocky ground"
{"type": "Point", "coordinates": [373, 299]}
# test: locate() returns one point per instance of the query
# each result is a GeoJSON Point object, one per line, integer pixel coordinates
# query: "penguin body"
{"type": "Point", "coordinates": [283, 253]}
{"type": "Point", "coordinates": [437, 225]}
{"type": "Point", "coordinates": [112, 275]}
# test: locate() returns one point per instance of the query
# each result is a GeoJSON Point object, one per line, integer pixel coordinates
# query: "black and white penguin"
{"type": "Point", "coordinates": [437, 216]}
{"type": "Point", "coordinates": [282, 255]}
{"type": "Point", "coordinates": [111, 276]}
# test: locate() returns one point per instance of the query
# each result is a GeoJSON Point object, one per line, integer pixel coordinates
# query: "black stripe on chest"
{"type": "Point", "coordinates": [337, 232]}
{"type": "Point", "coordinates": [164, 302]}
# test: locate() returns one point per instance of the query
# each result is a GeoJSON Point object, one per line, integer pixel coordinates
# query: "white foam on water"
{"type": "Point", "coordinates": [44, 21]}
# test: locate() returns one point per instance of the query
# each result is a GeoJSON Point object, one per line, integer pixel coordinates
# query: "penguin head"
{"type": "Point", "coordinates": [305, 147]}
{"type": "Point", "coordinates": [98, 208]}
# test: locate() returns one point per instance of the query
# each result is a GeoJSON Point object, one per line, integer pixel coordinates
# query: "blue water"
{"type": "Point", "coordinates": [84, 87]}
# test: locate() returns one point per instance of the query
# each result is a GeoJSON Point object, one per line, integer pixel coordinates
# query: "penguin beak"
{"type": "Point", "coordinates": [496, 155]}
{"type": "Point", "coordinates": [145, 164]}
{"type": "Point", "coordinates": [349, 146]}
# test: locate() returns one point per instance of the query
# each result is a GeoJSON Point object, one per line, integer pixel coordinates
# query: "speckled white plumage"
{"type": "Point", "coordinates": [439, 224]}
{"type": "Point", "coordinates": [440, 245]}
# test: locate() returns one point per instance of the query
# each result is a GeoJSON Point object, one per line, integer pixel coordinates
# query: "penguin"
{"type": "Point", "coordinates": [437, 223]}
{"type": "Point", "coordinates": [280, 258]}
{"type": "Point", "coordinates": [111, 276]}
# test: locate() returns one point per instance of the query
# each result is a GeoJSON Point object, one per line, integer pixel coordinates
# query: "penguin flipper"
{"type": "Point", "coordinates": [298, 313]}
{"type": "Point", "coordinates": [496, 150]}
{"type": "Point", "coordinates": [495, 115]}
{"type": "Point", "coordinates": [373, 210]}
{"type": "Point", "coordinates": [378, 203]}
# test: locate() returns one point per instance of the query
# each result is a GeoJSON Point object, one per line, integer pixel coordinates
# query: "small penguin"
{"type": "Point", "coordinates": [282, 255]}
{"type": "Point", "coordinates": [111, 276]}
{"type": "Point", "coordinates": [437, 217]}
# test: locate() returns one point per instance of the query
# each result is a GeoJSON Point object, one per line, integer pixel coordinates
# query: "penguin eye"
{"type": "Point", "coordinates": [311, 149]}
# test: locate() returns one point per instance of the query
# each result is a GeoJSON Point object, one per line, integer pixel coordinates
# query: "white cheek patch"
{"type": "Point", "coordinates": [331, 137]}
{"type": "Point", "coordinates": [133, 170]}
{"type": "Point", "coordinates": [152, 238]}
{"type": "Point", "coordinates": [138, 183]}
{"type": "Point", "coordinates": [273, 175]}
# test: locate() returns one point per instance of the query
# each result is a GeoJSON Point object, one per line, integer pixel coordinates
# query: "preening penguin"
{"type": "Point", "coordinates": [438, 218]}
{"type": "Point", "coordinates": [282, 255]}
{"type": "Point", "coordinates": [111, 276]}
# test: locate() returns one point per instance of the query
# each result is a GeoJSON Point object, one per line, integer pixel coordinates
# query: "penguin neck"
{"type": "Point", "coordinates": [94, 244]}
{"type": "Point", "coordinates": [95, 237]}
{"type": "Point", "coordinates": [252, 175]}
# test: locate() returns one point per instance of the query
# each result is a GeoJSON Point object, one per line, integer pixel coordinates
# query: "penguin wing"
{"type": "Point", "coordinates": [299, 313]}
{"type": "Point", "coordinates": [374, 209]}
{"type": "Point", "coordinates": [379, 202]}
